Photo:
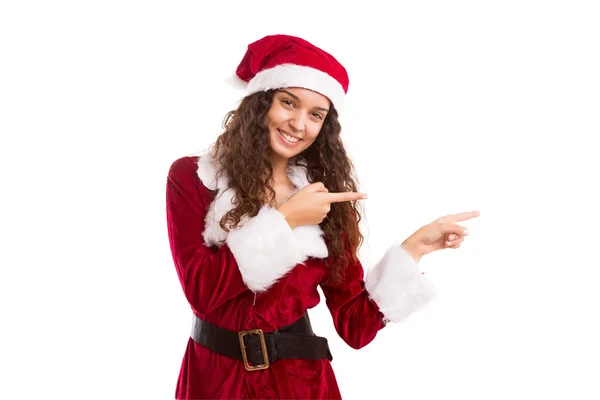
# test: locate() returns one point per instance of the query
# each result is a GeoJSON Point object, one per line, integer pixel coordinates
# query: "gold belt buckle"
{"type": "Point", "coordinates": [263, 345]}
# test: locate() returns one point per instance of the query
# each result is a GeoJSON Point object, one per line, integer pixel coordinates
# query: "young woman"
{"type": "Point", "coordinates": [268, 214]}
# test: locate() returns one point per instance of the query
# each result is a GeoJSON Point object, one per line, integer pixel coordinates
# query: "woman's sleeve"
{"type": "Point", "coordinates": [253, 257]}
{"type": "Point", "coordinates": [209, 278]}
{"type": "Point", "coordinates": [392, 290]}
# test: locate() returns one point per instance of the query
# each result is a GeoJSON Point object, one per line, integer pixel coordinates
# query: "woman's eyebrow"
{"type": "Point", "coordinates": [298, 99]}
{"type": "Point", "coordinates": [290, 94]}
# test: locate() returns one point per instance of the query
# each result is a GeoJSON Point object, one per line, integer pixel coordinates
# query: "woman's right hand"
{"type": "Point", "coordinates": [311, 204]}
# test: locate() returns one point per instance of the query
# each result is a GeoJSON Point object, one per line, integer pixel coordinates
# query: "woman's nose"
{"type": "Point", "coordinates": [297, 122]}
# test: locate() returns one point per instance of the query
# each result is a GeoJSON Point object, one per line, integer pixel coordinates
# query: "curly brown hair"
{"type": "Point", "coordinates": [242, 152]}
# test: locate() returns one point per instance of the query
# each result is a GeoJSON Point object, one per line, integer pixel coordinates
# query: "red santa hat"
{"type": "Point", "coordinates": [279, 61]}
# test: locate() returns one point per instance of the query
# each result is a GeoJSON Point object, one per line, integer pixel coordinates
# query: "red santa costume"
{"type": "Point", "coordinates": [264, 275]}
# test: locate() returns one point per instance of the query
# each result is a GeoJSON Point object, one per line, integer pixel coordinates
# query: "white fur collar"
{"type": "Point", "coordinates": [309, 237]}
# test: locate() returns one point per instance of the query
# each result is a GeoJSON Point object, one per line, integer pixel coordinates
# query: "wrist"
{"type": "Point", "coordinates": [287, 215]}
{"type": "Point", "coordinates": [412, 250]}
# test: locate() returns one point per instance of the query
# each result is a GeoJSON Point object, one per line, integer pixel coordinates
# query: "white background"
{"type": "Point", "coordinates": [453, 106]}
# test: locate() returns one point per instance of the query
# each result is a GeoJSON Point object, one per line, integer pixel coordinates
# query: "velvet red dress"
{"type": "Point", "coordinates": [265, 275]}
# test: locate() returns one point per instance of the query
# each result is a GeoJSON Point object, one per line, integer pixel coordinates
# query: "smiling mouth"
{"type": "Point", "coordinates": [288, 137]}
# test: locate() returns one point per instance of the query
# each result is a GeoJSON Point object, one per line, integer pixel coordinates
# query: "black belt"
{"type": "Point", "coordinates": [258, 349]}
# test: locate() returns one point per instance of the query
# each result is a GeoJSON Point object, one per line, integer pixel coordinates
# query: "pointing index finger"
{"type": "Point", "coordinates": [465, 215]}
{"type": "Point", "coordinates": [344, 196]}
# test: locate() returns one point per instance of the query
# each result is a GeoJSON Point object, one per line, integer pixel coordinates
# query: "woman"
{"type": "Point", "coordinates": [266, 216]}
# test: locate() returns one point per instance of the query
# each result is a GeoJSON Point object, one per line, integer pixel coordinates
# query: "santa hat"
{"type": "Point", "coordinates": [279, 61]}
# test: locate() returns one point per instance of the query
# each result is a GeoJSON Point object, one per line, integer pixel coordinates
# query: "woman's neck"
{"type": "Point", "coordinates": [280, 166]}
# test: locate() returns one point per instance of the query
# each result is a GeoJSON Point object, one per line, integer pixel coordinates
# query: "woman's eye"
{"type": "Point", "coordinates": [318, 115]}
{"type": "Point", "coordinates": [287, 102]}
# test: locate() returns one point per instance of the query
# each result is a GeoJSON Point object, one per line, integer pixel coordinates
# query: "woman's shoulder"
{"type": "Point", "coordinates": [199, 166]}
{"type": "Point", "coordinates": [184, 166]}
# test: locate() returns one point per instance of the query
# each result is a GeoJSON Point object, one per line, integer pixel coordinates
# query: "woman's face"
{"type": "Point", "coordinates": [298, 113]}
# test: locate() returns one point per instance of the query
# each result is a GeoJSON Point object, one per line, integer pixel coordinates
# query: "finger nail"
{"type": "Point", "coordinates": [465, 232]}
{"type": "Point", "coordinates": [364, 196]}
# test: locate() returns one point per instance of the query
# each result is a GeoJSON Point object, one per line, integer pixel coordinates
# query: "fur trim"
{"type": "Point", "coordinates": [291, 75]}
{"type": "Point", "coordinates": [264, 247]}
{"type": "Point", "coordinates": [207, 171]}
{"type": "Point", "coordinates": [237, 83]}
{"type": "Point", "coordinates": [397, 285]}
{"type": "Point", "coordinates": [298, 175]}
{"type": "Point", "coordinates": [310, 241]}
{"type": "Point", "coordinates": [213, 234]}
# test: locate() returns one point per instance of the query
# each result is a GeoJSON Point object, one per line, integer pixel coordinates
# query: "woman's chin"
{"type": "Point", "coordinates": [282, 153]}
{"type": "Point", "coordinates": [280, 150]}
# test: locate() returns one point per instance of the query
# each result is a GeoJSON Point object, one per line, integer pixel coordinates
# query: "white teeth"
{"type": "Point", "coordinates": [288, 137]}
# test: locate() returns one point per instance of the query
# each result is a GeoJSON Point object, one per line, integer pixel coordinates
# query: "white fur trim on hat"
{"type": "Point", "coordinates": [292, 75]}
{"type": "Point", "coordinates": [397, 285]}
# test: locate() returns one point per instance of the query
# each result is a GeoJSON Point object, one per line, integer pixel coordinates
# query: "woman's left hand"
{"type": "Point", "coordinates": [442, 233]}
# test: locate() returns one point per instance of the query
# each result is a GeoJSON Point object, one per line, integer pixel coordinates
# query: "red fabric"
{"type": "Point", "coordinates": [216, 292]}
{"type": "Point", "coordinates": [274, 50]}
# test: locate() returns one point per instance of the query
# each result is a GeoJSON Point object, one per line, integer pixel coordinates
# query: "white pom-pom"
{"type": "Point", "coordinates": [236, 82]}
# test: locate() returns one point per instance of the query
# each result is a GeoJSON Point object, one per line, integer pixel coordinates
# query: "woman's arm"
{"type": "Point", "coordinates": [254, 256]}
{"type": "Point", "coordinates": [392, 290]}
{"type": "Point", "coordinates": [209, 278]}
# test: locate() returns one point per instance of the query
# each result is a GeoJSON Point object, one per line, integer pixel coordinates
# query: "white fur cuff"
{"type": "Point", "coordinates": [265, 249]}
{"type": "Point", "coordinates": [397, 285]}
